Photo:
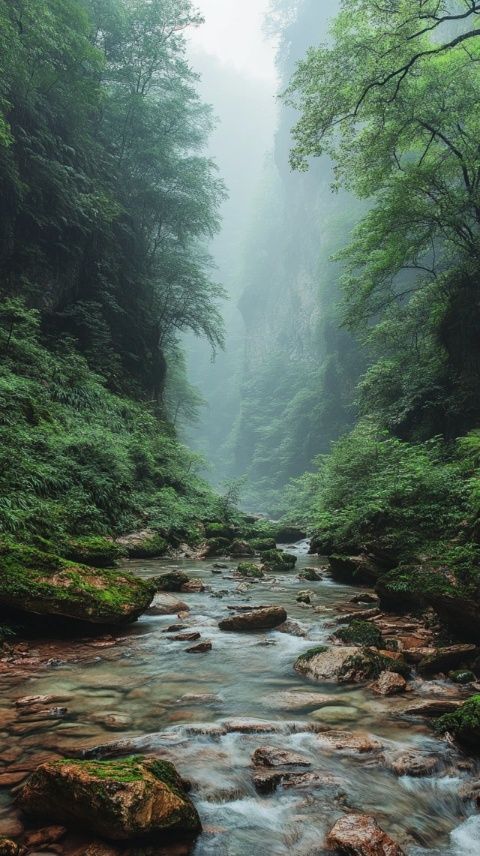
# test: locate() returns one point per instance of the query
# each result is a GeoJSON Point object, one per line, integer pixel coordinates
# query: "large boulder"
{"type": "Point", "coordinates": [264, 618]}
{"type": "Point", "coordinates": [171, 581]}
{"type": "Point", "coordinates": [146, 544]}
{"type": "Point", "coordinates": [360, 835]}
{"type": "Point", "coordinates": [349, 664]}
{"type": "Point", "coordinates": [43, 584]}
{"type": "Point", "coordinates": [118, 800]}
{"type": "Point", "coordinates": [96, 551]}
{"type": "Point", "coordinates": [277, 561]}
{"type": "Point", "coordinates": [354, 569]}
{"type": "Point", "coordinates": [463, 724]}
{"type": "Point", "coordinates": [447, 658]}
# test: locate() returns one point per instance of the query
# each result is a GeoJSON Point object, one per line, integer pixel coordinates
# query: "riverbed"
{"type": "Point", "coordinates": [209, 712]}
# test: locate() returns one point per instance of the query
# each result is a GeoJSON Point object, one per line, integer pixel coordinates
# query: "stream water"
{"type": "Point", "coordinates": [179, 705]}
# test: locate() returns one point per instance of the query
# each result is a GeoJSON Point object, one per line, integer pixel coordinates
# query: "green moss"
{"type": "Point", "coordinates": [463, 723]}
{"type": "Point", "coordinates": [42, 583]}
{"type": "Point", "coordinates": [360, 632]}
{"type": "Point", "coordinates": [275, 560]}
{"type": "Point", "coordinates": [221, 530]}
{"type": "Point", "coordinates": [95, 551]}
{"type": "Point", "coordinates": [125, 770]}
{"type": "Point", "coordinates": [461, 676]}
{"type": "Point", "coordinates": [262, 545]}
{"type": "Point", "coordinates": [371, 664]}
{"type": "Point", "coordinates": [249, 570]}
{"type": "Point", "coordinates": [149, 548]}
{"type": "Point", "coordinates": [312, 652]}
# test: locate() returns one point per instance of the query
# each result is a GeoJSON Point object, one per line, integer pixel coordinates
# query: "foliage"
{"type": "Point", "coordinates": [76, 458]}
{"type": "Point", "coordinates": [107, 199]}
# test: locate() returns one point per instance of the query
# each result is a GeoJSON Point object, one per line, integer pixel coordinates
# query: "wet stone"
{"type": "Point", "coordinates": [201, 648]}
{"type": "Point", "coordinates": [360, 835]}
{"type": "Point", "coordinates": [271, 756]}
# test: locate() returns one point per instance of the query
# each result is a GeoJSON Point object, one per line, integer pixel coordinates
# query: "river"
{"type": "Point", "coordinates": [145, 688]}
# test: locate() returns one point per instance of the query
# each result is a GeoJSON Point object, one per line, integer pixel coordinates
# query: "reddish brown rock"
{"type": "Point", "coordinates": [350, 741]}
{"type": "Point", "coordinates": [389, 683]}
{"type": "Point", "coordinates": [117, 800]}
{"type": "Point", "coordinates": [433, 707]}
{"type": "Point", "coordinates": [201, 648]}
{"type": "Point", "coordinates": [258, 619]}
{"type": "Point", "coordinates": [184, 637]}
{"type": "Point", "coordinates": [446, 659]}
{"type": "Point", "coordinates": [194, 585]}
{"type": "Point", "coordinates": [272, 756]}
{"type": "Point", "coordinates": [360, 835]}
{"type": "Point", "coordinates": [412, 763]}
{"type": "Point", "coordinates": [47, 835]}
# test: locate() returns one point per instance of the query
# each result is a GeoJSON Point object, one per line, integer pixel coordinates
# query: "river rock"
{"type": "Point", "coordinates": [185, 637]}
{"type": "Point", "coordinates": [266, 780]}
{"type": "Point", "coordinates": [360, 835]}
{"type": "Point", "coordinates": [167, 604]}
{"type": "Point", "coordinates": [432, 707]}
{"type": "Point", "coordinates": [144, 544]}
{"type": "Point", "coordinates": [446, 659]}
{"type": "Point", "coordinates": [354, 569]}
{"type": "Point", "coordinates": [325, 664]}
{"type": "Point", "coordinates": [293, 628]}
{"type": "Point", "coordinates": [350, 741]}
{"type": "Point", "coordinates": [272, 756]}
{"type": "Point", "coordinates": [118, 800]}
{"type": "Point", "coordinates": [201, 648]}
{"type": "Point", "coordinates": [173, 581]}
{"type": "Point", "coordinates": [297, 700]}
{"type": "Point", "coordinates": [389, 683]}
{"type": "Point", "coordinates": [412, 763]}
{"type": "Point", "coordinates": [258, 619]}
{"type": "Point", "coordinates": [43, 584]}
{"type": "Point", "coordinates": [8, 848]}
{"type": "Point", "coordinates": [193, 586]}
{"type": "Point", "coordinates": [310, 574]}
{"type": "Point", "coordinates": [41, 837]}
{"type": "Point", "coordinates": [241, 548]}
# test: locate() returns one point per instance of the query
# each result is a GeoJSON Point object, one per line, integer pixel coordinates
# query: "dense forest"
{"type": "Point", "coordinates": [107, 205]}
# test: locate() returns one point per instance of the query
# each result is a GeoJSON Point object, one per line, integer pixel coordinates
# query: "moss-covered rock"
{"type": "Point", "coordinates": [311, 575]}
{"type": "Point", "coordinates": [241, 548]}
{"type": "Point", "coordinates": [250, 571]}
{"type": "Point", "coordinates": [360, 632]}
{"type": "Point", "coordinates": [217, 547]}
{"type": "Point", "coordinates": [463, 723]}
{"type": "Point", "coordinates": [262, 545]}
{"type": "Point", "coordinates": [447, 658]}
{"type": "Point", "coordinates": [43, 584]}
{"type": "Point", "coordinates": [146, 544]}
{"type": "Point", "coordinates": [96, 551]}
{"type": "Point", "coordinates": [276, 561]}
{"type": "Point", "coordinates": [118, 800]}
{"type": "Point", "coordinates": [218, 529]}
{"type": "Point", "coordinates": [349, 664]}
{"type": "Point", "coordinates": [172, 581]}
{"type": "Point", "coordinates": [462, 676]}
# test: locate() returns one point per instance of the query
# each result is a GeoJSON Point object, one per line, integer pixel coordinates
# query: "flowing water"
{"type": "Point", "coordinates": [179, 705]}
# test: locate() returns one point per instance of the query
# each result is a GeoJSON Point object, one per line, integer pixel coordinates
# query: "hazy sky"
{"type": "Point", "coordinates": [233, 33]}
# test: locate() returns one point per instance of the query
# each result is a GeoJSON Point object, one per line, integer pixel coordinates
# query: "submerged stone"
{"type": "Point", "coordinates": [118, 800]}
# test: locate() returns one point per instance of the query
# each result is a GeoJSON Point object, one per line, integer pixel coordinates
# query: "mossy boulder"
{"type": "Point", "coordinates": [349, 664]}
{"type": "Point", "coordinates": [217, 547]}
{"type": "Point", "coordinates": [172, 581]}
{"type": "Point", "coordinates": [462, 676]}
{"type": "Point", "coordinates": [250, 571]}
{"type": "Point", "coordinates": [96, 551]}
{"type": "Point", "coordinates": [146, 544]}
{"type": "Point", "coordinates": [276, 561]}
{"type": "Point", "coordinates": [360, 632]}
{"type": "Point", "coordinates": [221, 530]}
{"type": "Point", "coordinates": [262, 545]}
{"type": "Point", "coordinates": [290, 534]}
{"type": "Point", "coordinates": [119, 800]}
{"type": "Point", "coordinates": [43, 584]}
{"type": "Point", "coordinates": [241, 548]}
{"type": "Point", "coordinates": [463, 724]}
{"type": "Point", "coordinates": [311, 575]}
